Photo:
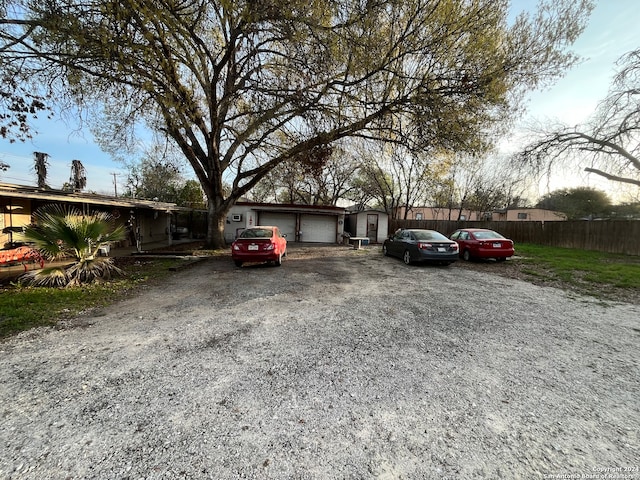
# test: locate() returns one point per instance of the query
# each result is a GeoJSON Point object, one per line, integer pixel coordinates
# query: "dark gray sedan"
{"type": "Point", "coordinates": [421, 246]}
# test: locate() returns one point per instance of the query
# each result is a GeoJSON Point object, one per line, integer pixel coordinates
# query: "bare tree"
{"type": "Point", "coordinates": [319, 183]}
{"type": "Point", "coordinates": [609, 144]}
{"type": "Point", "coordinates": [482, 185]}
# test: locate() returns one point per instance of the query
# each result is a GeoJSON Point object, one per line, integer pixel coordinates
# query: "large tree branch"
{"type": "Point", "coordinates": [614, 178]}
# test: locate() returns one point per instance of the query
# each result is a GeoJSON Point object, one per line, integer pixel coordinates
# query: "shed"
{"type": "Point", "coordinates": [368, 223]}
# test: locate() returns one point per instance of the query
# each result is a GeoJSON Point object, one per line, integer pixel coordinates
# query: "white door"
{"type": "Point", "coordinates": [286, 222]}
{"type": "Point", "coordinates": [318, 228]}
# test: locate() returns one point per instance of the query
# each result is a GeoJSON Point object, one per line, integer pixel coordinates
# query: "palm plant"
{"type": "Point", "coordinates": [40, 166]}
{"type": "Point", "coordinates": [78, 178]}
{"type": "Point", "coordinates": [65, 232]}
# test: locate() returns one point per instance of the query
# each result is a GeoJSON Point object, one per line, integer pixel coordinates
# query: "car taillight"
{"type": "Point", "coordinates": [269, 246]}
{"type": "Point", "coordinates": [453, 246]}
{"type": "Point", "coordinates": [235, 246]}
{"type": "Point", "coordinates": [424, 246]}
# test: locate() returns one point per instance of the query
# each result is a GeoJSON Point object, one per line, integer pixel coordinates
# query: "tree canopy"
{"type": "Point", "coordinates": [158, 178]}
{"type": "Point", "coordinates": [243, 86]}
{"type": "Point", "coordinates": [577, 203]}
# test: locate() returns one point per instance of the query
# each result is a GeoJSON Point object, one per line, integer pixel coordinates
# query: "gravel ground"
{"type": "Point", "coordinates": [340, 364]}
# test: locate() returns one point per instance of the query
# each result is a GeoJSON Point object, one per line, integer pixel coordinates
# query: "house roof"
{"type": "Point", "coordinates": [36, 193]}
{"type": "Point", "coordinates": [366, 210]}
{"type": "Point", "coordinates": [292, 207]}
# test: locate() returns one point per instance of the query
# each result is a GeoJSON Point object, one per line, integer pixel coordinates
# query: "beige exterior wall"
{"type": "Point", "coordinates": [14, 213]}
{"type": "Point", "coordinates": [529, 215]}
{"type": "Point", "coordinates": [515, 215]}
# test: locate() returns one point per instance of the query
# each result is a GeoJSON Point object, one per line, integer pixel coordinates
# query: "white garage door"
{"type": "Point", "coordinates": [318, 228]}
{"type": "Point", "coordinates": [286, 222]}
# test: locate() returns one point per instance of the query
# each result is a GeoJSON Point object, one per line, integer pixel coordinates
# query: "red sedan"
{"type": "Point", "coordinates": [259, 244]}
{"type": "Point", "coordinates": [482, 243]}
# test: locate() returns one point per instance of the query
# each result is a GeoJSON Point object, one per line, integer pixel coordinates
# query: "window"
{"type": "Point", "coordinates": [418, 216]}
{"type": "Point", "coordinates": [522, 216]}
{"type": "Point", "coordinates": [257, 233]}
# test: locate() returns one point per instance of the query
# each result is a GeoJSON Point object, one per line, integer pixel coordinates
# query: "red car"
{"type": "Point", "coordinates": [482, 243]}
{"type": "Point", "coordinates": [259, 244]}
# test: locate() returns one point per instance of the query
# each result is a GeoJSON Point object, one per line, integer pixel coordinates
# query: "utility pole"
{"type": "Point", "coordinates": [115, 183]}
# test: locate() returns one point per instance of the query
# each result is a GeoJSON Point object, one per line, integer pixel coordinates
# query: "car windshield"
{"type": "Point", "coordinates": [429, 235]}
{"type": "Point", "coordinates": [485, 235]}
{"type": "Point", "coordinates": [257, 233]}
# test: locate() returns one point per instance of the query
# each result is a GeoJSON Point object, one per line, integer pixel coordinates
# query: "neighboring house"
{"type": "Point", "coordinates": [368, 223]}
{"type": "Point", "coordinates": [300, 223]}
{"type": "Point", "coordinates": [515, 215]}
{"type": "Point", "coordinates": [527, 215]}
{"type": "Point", "coordinates": [151, 222]}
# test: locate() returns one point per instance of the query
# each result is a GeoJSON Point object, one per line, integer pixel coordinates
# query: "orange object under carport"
{"type": "Point", "coordinates": [21, 255]}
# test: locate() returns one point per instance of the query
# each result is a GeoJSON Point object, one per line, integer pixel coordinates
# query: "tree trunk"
{"type": "Point", "coordinates": [216, 220]}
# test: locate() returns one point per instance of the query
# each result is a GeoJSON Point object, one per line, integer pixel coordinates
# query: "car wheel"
{"type": "Point", "coordinates": [466, 255]}
{"type": "Point", "coordinates": [238, 263]}
{"type": "Point", "coordinates": [406, 258]}
{"type": "Point", "coordinates": [385, 252]}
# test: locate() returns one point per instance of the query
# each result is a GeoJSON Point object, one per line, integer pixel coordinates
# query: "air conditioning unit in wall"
{"type": "Point", "coordinates": [236, 217]}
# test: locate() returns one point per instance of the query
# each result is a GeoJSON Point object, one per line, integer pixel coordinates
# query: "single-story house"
{"type": "Point", "coordinates": [148, 221]}
{"type": "Point", "coordinates": [510, 215]}
{"type": "Point", "coordinates": [300, 223]}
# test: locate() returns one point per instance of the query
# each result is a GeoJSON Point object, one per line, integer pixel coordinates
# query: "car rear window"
{"type": "Point", "coordinates": [427, 235]}
{"type": "Point", "coordinates": [257, 233]}
{"type": "Point", "coordinates": [487, 235]}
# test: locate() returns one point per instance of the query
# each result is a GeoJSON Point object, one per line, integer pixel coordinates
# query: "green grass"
{"type": "Point", "coordinates": [22, 308]}
{"type": "Point", "coordinates": [572, 266]}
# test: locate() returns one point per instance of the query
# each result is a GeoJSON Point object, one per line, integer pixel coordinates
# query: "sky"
{"type": "Point", "coordinates": [611, 32]}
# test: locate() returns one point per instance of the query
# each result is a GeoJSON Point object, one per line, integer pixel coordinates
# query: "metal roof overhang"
{"type": "Point", "coordinates": [33, 193]}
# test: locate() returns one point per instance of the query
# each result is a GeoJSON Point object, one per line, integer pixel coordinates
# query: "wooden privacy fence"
{"type": "Point", "coordinates": [619, 236]}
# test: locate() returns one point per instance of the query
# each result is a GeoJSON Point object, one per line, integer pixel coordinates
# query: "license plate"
{"type": "Point", "coordinates": [253, 247]}
{"type": "Point", "coordinates": [442, 249]}
{"type": "Point", "coordinates": [497, 245]}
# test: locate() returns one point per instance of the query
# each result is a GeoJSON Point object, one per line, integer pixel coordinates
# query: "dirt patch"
{"type": "Point", "coordinates": [339, 364]}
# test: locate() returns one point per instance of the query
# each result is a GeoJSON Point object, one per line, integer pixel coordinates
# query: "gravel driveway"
{"type": "Point", "coordinates": [340, 364]}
